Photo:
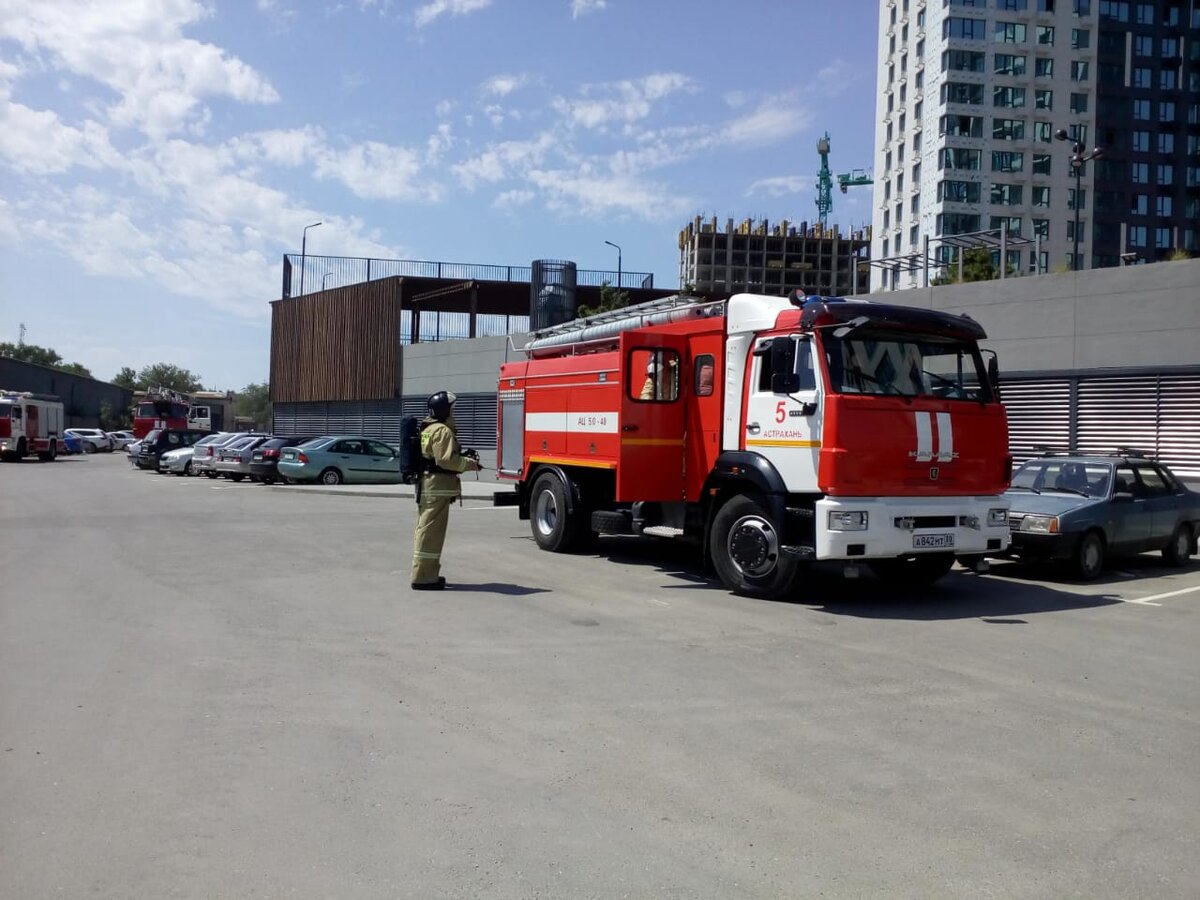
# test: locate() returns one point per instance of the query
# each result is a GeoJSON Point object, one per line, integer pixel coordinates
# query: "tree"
{"type": "Point", "coordinates": [610, 298]}
{"type": "Point", "coordinates": [41, 356]}
{"type": "Point", "coordinates": [254, 402]}
{"type": "Point", "coordinates": [977, 266]}
{"type": "Point", "coordinates": [168, 376]}
{"type": "Point", "coordinates": [126, 378]}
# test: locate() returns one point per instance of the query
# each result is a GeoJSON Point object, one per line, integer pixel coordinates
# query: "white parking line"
{"type": "Point", "coordinates": [1148, 601]}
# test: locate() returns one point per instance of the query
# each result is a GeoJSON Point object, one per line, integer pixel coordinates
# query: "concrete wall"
{"type": "Point", "coordinates": [1135, 316]}
{"type": "Point", "coordinates": [464, 367]}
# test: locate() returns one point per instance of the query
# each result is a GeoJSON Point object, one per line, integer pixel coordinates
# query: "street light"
{"type": "Point", "coordinates": [303, 247]}
{"type": "Point", "coordinates": [611, 244]}
{"type": "Point", "coordinates": [1079, 155]}
{"type": "Point", "coordinates": [323, 279]}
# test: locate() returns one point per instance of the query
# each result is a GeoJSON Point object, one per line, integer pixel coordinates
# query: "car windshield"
{"type": "Point", "coordinates": [902, 365]}
{"type": "Point", "coordinates": [1069, 476]}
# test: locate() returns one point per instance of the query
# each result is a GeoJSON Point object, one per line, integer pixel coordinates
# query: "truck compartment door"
{"type": "Point", "coordinates": [653, 397]}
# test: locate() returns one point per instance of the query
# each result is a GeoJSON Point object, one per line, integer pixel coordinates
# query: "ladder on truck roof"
{"type": "Point", "coordinates": [606, 326]}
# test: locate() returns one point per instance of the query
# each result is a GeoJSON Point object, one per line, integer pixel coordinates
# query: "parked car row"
{"type": "Point", "coordinates": [328, 459]}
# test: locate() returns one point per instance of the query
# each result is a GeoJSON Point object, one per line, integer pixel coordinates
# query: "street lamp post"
{"type": "Point", "coordinates": [611, 244]}
{"type": "Point", "coordinates": [1079, 155]}
{"type": "Point", "coordinates": [303, 252]}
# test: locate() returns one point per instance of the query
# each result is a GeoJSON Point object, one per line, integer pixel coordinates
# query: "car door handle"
{"type": "Point", "coordinates": [752, 427]}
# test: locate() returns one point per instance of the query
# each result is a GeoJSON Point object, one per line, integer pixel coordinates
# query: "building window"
{"type": "Point", "coordinates": [1167, 79]}
{"type": "Point", "coordinates": [1042, 131]}
{"type": "Point", "coordinates": [1045, 35]}
{"type": "Point", "coordinates": [1117, 10]}
{"type": "Point", "coordinates": [961, 126]}
{"type": "Point", "coordinates": [959, 158]}
{"type": "Point", "coordinates": [1012, 5]}
{"type": "Point", "coordinates": [914, 206]}
{"type": "Point", "coordinates": [1144, 14]}
{"type": "Point", "coordinates": [1041, 163]}
{"type": "Point", "coordinates": [1142, 77]}
{"type": "Point", "coordinates": [914, 235]}
{"type": "Point", "coordinates": [1137, 235]}
{"type": "Point", "coordinates": [1043, 68]}
{"type": "Point", "coordinates": [962, 61]}
{"type": "Point", "coordinates": [917, 142]}
{"type": "Point", "coordinates": [1007, 224]}
{"type": "Point", "coordinates": [1009, 33]}
{"type": "Point", "coordinates": [1141, 110]}
{"type": "Point", "coordinates": [1141, 141]}
{"type": "Point", "coordinates": [1039, 196]}
{"type": "Point", "coordinates": [1008, 64]}
{"type": "Point", "coordinates": [1007, 161]}
{"type": "Point", "coordinates": [1008, 96]}
{"type": "Point", "coordinates": [1046, 6]}
{"type": "Point", "coordinates": [1165, 174]}
{"type": "Point", "coordinates": [1074, 196]}
{"type": "Point", "coordinates": [1041, 228]}
{"type": "Point", "coordinates": [954, 192]}
{"type": "Point", "coordinates": [961, 92]}
{"type": "Point", "coordinates": [957, 223]}
{"type": "Point", "coordinates": [1139, 204]}
{"type": "Point", "coordinates": [1164, 205]}
{"type": "Point", "coordinates": [1166, 142]}
{"type": "Point", "coordinates": [916, 174]}
{"type": "Point", "coordinates": [1166, 111]}
{"type": "Point", "coordinates": [1043, 99]}
{"type": "Point", "coordinates": [1079, 103]}
{"type": "Point", "coordinates": [1006, 194]}
{"type": "Point", "coordinates": [1081, 7]}
{"type": "Point", "coordinates": [1170, 48]}
{"type": "Point", "coordinates": [1139, 173]}
{"type": "Point", "coordinates": [1143, 45]}
{"type": "Point", "coordinates": [1079, 70]}
{"type": "Point", "coordinates": [1008, 129]}
{"type": "Point", "coordinates": [1162, 238]}
{"type": "Point", "coordinates": [964, 29]}
{"type": "Point", "coordinates": [1081, 39]}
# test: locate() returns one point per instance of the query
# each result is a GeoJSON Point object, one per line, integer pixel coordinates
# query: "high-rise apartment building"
{"type": "Point", "coordinates": [974, 93]}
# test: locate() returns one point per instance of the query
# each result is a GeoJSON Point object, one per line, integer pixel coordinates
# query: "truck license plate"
{"type": "Point", "coordinates": [926, 541]}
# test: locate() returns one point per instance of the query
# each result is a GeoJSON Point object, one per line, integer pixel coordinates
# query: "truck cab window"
{"type": "Point", "coordinates": [804, 367]}
{"type": "Point", "coordinates": [654, 375]}
{"type": "Point", "coordinates": [705, 372]}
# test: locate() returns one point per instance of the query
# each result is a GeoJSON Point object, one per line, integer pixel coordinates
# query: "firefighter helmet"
{"type": "Point", "coordinates": [441, 405]}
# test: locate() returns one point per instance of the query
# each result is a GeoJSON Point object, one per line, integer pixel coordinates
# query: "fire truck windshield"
{"type": "Point", "coordinates": [907, 366]}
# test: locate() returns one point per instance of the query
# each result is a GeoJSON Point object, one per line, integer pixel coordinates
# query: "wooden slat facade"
{"type": "Point", "coordinates": [341, 344]}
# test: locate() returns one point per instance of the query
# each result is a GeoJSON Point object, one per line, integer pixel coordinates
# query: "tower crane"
{"type": "Point", "coordinates": [849, 179]}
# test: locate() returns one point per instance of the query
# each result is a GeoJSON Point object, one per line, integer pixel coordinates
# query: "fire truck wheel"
{"type": "Point", "coordinates": [746, 551]}
{"type": "Point", "coordinates": [919, 571]}
{"type": "Point", "coordinates": [51, 454]}
{"type": "Point", "coordinates": [554, 528]}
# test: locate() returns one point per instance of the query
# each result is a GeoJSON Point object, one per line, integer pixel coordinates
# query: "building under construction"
{"type": "Point", "coordinates": [759, 258]}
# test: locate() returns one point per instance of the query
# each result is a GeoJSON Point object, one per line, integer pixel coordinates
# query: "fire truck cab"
{"type": "Point", "coordinates": [775, 431]}
{"type": "Point", "coordinates": [30, 423]}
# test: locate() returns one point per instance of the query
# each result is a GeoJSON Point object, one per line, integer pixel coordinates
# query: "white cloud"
{"type": "Point", "coordinates": [373, 170]}
{"type": "Point", "coordinates": [501, 160]}
{"type": "Point", "coordinates": [774, 120]}
{"type": "Point", "coordinates": [37, 142]}
{"type": "Point", "coordinates": [502, 85]}
{"type": "Point", "coordinates": [586, 193]}
{"type": "Point", "coordinates": [431, 11]}
{"type": "Point", "coordinates": [779, 186]}
{"type": "Point", "coordinates": [513, 199]}
{"type": "Point", "coordinates": [583, 7]}
{"type": "Point", "coordinates": [629, 101]}
{"type": "Point", "coordinates": [136, 49]}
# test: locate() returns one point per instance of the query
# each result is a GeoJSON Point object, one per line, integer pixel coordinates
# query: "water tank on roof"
{"type": "Point", "coordinates": [551, 293]}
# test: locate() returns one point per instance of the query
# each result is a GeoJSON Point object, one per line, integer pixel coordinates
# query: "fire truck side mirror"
{"type": "Point", "coordinates": [993, 372]}
{"type": "Point", "coordinates": [784, 379]}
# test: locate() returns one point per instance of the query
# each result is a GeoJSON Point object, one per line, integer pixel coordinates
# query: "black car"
{"type": "Point", "coordinates": [1084, 508]}
{"type": "Point", "coordinates": [264, 460]}
{"type": "Point", "coordinates": [160, 440]}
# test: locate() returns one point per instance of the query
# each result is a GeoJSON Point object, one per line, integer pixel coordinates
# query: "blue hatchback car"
{"type": "Point", "coordinates": [1083, 509]}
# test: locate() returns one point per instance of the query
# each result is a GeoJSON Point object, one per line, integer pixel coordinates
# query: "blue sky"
{"type": "Point", "coordinates": [157, 159]}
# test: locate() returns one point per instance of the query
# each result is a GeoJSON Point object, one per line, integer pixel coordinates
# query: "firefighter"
{"type": "Point", "coordinates": [437, 488]}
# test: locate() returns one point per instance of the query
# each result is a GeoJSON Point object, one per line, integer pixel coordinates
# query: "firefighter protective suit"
{"type": "Point", "coordinates": [437, 489]}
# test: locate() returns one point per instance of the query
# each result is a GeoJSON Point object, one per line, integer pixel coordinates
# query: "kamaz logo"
{"type": "Point", "coordinates": [945, 439]}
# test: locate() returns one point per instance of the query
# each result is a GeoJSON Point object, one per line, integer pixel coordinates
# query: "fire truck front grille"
{"type": "Point", "coordinates": [925, 522]}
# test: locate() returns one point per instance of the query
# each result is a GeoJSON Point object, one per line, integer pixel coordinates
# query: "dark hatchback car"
{"type": "Point", "coordinates": [1082, 509]}
{"type": "Point", "coordinates": [264, 461]}
{"type": "Point", "coordinates": [159, 441]}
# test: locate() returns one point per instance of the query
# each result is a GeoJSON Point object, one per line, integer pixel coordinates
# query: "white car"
{"type": "Point", "coordinates": [132, 450]}
{"type": "Point", "coordinates": [121, 439]}
{"type": "Point", "coordinates": [94, 440]}
{"type": "Point", "coordinates": [176, 462]}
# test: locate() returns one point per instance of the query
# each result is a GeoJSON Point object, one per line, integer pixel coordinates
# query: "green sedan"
{"type": "Point", "coordinates": [339, 458]}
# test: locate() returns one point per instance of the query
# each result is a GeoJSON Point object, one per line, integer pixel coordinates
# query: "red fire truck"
{"type": "Point", "coordinates": [776, 431]}
{"type": "Point", "coordinates": [30, 423]}
{"type": "Point", "coordinates": [159, 408]}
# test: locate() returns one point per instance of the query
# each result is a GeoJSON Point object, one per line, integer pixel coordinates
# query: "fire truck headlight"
{"type": "Point", "coordinates": [997, 518]}
{"type": "Point", "coordinates": [847, 521]}
{"type": "Point", "coordinates": [1040, 524]}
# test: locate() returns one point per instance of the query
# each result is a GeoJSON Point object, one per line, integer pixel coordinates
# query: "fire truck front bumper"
{"type": "Point", "coordinates": [890, 527]}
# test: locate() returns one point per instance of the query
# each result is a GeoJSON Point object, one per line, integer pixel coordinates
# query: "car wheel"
{"type": "Point", "coordinates": [920, 571]}
{"type": "Point", "coordinates": [268, 479]}
{"type": "Point", "coordinates": [237, 477]}
{"type": "Point", "coordinates": [89, 447]}
{"type": "Point", "coordinates": [1089, 556]}
{"type": "Point", "coordinates": [747, 551]}
{"type": "Point", "coordinates": [1179, 548]}
{"type": "Point", "coordinates": [211, 474]}
{"type": "Point", "coordinates": [331, 476]}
